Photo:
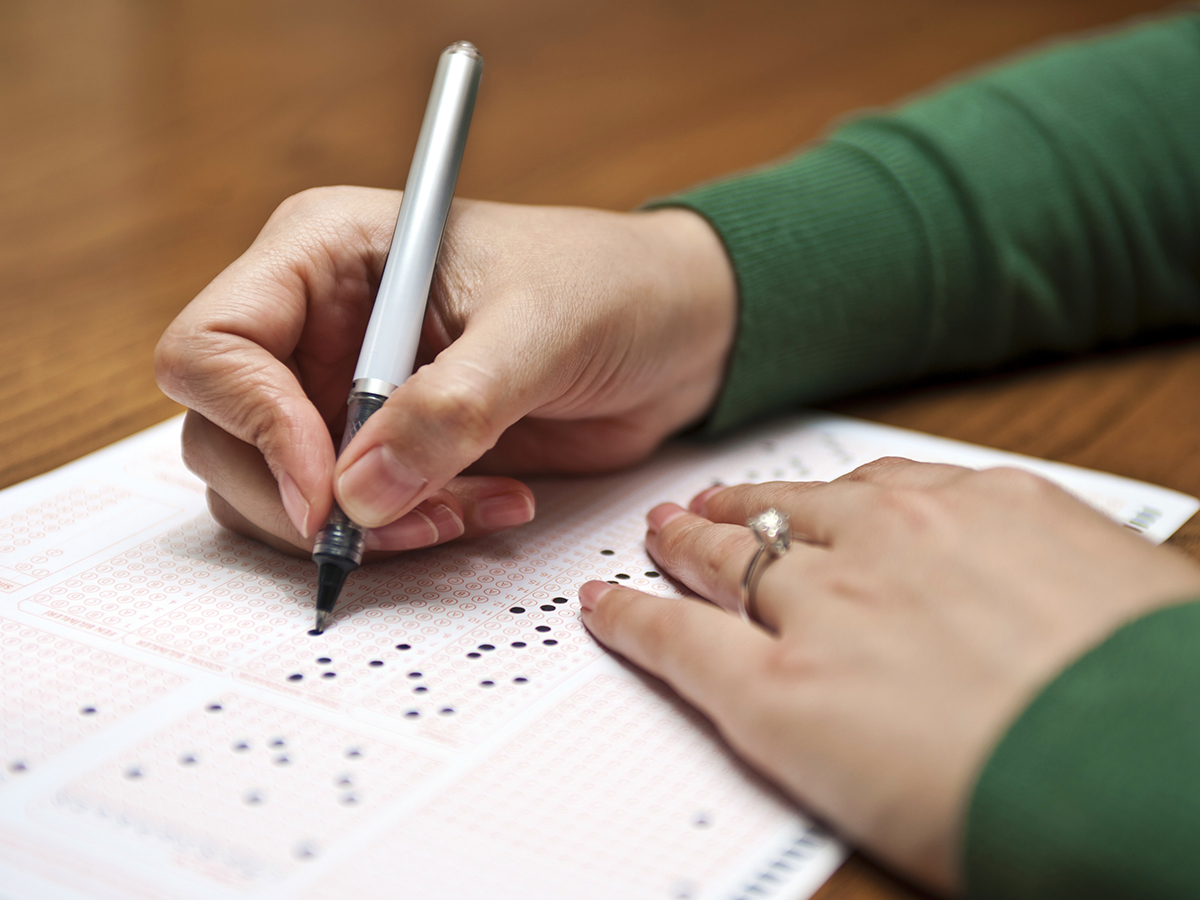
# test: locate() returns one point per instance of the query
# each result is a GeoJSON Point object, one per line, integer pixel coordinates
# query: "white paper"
{"type": "Point", "coordinates": [171, 731]}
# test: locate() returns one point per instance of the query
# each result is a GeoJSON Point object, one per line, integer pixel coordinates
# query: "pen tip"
{"type": "Point", "coordinates": [330, 578]}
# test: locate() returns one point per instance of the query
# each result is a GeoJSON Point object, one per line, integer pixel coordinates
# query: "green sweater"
{"type": "Point", "coordinates": [1051, 205]}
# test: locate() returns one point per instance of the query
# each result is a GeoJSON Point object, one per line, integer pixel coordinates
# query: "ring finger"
{"type": "Point", "coordinates": [712, 560]}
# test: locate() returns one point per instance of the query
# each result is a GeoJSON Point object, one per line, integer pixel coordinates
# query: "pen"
{"type": "Point", "coordinates": [389, 348]}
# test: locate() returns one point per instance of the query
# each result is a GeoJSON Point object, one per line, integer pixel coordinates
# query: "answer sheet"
{"type": "Point", "coordinates": [172, 730]}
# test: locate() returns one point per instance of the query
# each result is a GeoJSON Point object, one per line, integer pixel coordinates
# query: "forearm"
{"type": "Point", "coordinates": [1052, 204]}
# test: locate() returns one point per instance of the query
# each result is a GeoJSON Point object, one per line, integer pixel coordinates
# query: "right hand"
{"type": "Point", "coordinates": [556, 340]}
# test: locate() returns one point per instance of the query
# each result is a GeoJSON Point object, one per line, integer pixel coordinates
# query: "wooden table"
{"type": "Point", "coordinates": [143, 144]}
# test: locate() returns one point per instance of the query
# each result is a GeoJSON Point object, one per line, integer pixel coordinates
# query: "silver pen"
{"type": "Point", "coordinates": [389, 349]}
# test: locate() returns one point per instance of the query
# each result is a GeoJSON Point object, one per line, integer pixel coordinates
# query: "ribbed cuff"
{"type": "Point", "coordinates": [842, 274]}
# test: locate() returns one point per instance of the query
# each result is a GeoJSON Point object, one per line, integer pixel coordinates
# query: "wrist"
{"type": "Point", "coordinates": [699, 282]}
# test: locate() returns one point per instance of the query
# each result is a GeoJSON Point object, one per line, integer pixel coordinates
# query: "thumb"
{"type": "Point", "coordinates": [443, 418]}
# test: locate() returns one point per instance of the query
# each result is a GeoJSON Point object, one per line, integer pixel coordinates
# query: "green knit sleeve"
{"type": "Point", "coordinates": [1050, 205]}
{"type": "Point", "coordinates": [1094, 792]}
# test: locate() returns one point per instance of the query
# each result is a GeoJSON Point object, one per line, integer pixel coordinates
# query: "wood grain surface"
{"type": "Point", "coordinates": [142, 144]}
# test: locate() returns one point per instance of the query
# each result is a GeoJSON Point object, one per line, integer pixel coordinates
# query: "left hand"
{"type": "Point", "coordinates": [924, 608]}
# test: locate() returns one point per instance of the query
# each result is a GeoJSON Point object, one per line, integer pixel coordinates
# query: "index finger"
{"type": "Point", "coordinates": [707, 655]}
{"type": "Point", "coordinates": [292, 307]}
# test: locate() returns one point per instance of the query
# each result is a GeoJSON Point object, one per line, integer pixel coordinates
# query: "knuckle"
{"type": "Point", "coordinates": [271, 428]}
{"type": "Point", "coordinates": [914, 509]}
{"type": "Point", "coordinates": [306, 202]}
{"type": "Point", "coordinates": [857, 588]}
{"type": "Point", "coordinates": [796, 490]}
{"type": "Point", "coordinates": [1012, 480]}
{"type": "Point", "coordinates": [789, 662]}
{"type": "Point", "coordinates": [663, 629]}
{"type": "Point", "coordinates": [192, 447]}
{"type": "Point", "coordinates": [464, 411]}
{"type": "Point", "coordinates": [195, 364]}
{"type": "Point", "coordinates": [675, 538]}
{"type": "Point", "coordinates": [875, 468]}
{"type": "Point", "coordinates": [174, 361]}
{"type": "Point", "coordinates": [222, 512]}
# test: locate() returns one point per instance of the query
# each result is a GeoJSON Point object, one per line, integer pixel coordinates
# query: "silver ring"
{"type": "Point", "coordinates": [774, 536]}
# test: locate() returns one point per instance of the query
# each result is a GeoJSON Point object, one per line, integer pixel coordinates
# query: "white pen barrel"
{"type": "Point", "coordinates": [389, 349]}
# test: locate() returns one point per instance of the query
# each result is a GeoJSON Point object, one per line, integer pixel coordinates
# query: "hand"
{"type": "Point", "coordinates": [556, 340]}
{"type": "Point", "coordinates": [924, 609]}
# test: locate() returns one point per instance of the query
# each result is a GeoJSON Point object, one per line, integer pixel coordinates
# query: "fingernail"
{"type": "Point", "coordinates": [591, 592]}
{"type": "Point", "coordinates": [504, 511]}
{"type": "Point", "coordinates": [658, 517]}
{"type": "Point", "coordinates": [377, 487]}
{"type": "Point", "coordinates": [407, 533]}
{"type": "Point", "coordinates": [446, 521]}
{"type": "Point", "coordinates": [697, 504]}
{"type": "Point", "coordinates": [294, 503]}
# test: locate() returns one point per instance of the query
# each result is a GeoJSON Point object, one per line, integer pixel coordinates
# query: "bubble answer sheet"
{"type": "Point", "coordinates": [172, 730]}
